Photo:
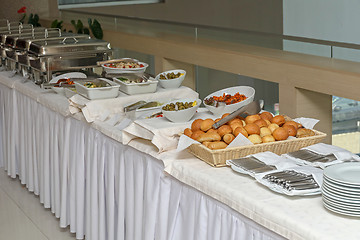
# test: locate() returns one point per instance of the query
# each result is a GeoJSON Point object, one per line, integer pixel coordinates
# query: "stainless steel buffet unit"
{"type": "Point", "coordinates": [70, 53]}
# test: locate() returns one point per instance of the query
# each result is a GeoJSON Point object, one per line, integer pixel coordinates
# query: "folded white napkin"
{"type": "Point", "coordinates": [315, 172]}
{"type": "Point", "coordinates": [101, 109]}
{"type": "Point", "coordinates": [160, 131]}
{"type": "Point", "coordinates": [325, 149]}
{"type": "Point", "coordinates": [307, 122]}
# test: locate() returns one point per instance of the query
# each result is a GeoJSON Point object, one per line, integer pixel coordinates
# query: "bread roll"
{"type": "Point", "coordinates": [235, 120]}
{"type": "Point", "coordinates": [255, 138]}
{"type": "Point", "coordinates": [266, 116]}
{"type": "Point", "coordinates": [304, 132]}
{"type": "Point", "coordinates": [268, 122]}
{"type": "Point", "coordinates": [188, 132]}
{"type": "Point", "coordinates": [206, 144]}
{"type": "Point", "coordinates": [291, 130]}
{"type": "Point", "coordinates": [252, 118]}
{"type": "Point", "coordinates": [195, 126]}
{"type": "Point", "coordinates": [292, 123]}
{"type": "Point", "coordinates": [236, 125]}
{"type": "Point", "coordinates": [280, 134]}
{"type": "Point", "coordinates": [228, 138]}
{"type": "Point", "coordinates": [196, 134]}
{"type": "Point", "coordinates": [273, 126]}
{"type": "Point", "coordinates": [264, 131]}
{"type": "Point", "coordinates": [217, 145]}
{"type": "Point", "coordinates": [225, 115]}
{"type": "Point", "coordinates": [212, 130]}
{"type": "Point", "coordinates": [268, 138]}
{"type": "Point", "coordinates": [279, 120]}
{"type": "Point", "coordinates": [218, 119]}
{"type": "Point", "coordinates": [252, 128]}
{"type": "Point", "coordinates": [241, 130]}
{"type": "Point", "coordinates": [209, 137]}
{"type": "Point", "coordinates": [206, 124]}
{"type": "Point", "coordinates": [261, 123]}
{"type": "Point", "coordinates": [224, 129]}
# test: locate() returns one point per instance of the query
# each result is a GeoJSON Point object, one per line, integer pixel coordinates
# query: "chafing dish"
{"type": "Point", "coordinates": [23, 45]}
{"type": "Point", "coordinates": [46, 57]}
{"type": "Point", "coordinates": [12, 30]}
{"type": "Point", "coordinates": [9, 47]}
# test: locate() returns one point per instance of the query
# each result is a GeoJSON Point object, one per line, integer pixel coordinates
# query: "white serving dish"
{"type": "Point", "coordinates": [181, 115]}
{"type": "Point", "coordinates": [125, 70]}
{"type": "Point", "coordinates": [171, 83]}
{"type": "Point", "coordinates": [137, 88]}
{"type": "Point", "coordinates": [59, 90]}
{"type": "Point", "coordinates": [68, 75]}
{"type": "Point", "coordinates": [111, 91]}
{"type": "Point", "coordinates": [249, 92]}
{"type": "Point", "coordinates": [69, 92]}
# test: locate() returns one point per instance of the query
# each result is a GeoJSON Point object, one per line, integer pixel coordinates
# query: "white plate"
{"type": "Point", "coordinates": [345, 173]}
{"type": "Point", "coordinates": [339, 198]}
{"type": "Point", "coordinates": [352, 207]}
{"type": "Point", "coordinates": [343, 186]}
{"type": "Point", "coordinates": [348, 213]}
{"type": "Point", "coordinates": [341, 192]}
{"type": "Point", "coordinates": [68, 75]}
{"type": "Point", "coordinates": [336, 187]}
{"type": "Point", "coordinates": [126, 70]}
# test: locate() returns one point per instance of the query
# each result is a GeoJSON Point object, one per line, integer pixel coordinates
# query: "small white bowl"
{"type": "Point", "coordinates": [125, 70]}
{"type": "Point", "coordinates": [171, 83]}
{"type": "Point", "coordinates": [249, 92]}
{"type": "Point", "coordinates": [181, 115]}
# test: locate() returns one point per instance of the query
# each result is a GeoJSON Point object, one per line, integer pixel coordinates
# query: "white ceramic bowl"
{"type": "Point", "coordinates": [171, 83]}
{"type": "Point", "coordinates": [181, 115]}
{"type": "Point", "coordinates": [249, 92]}
{"type": "Point", "coordinates": [125, 70]}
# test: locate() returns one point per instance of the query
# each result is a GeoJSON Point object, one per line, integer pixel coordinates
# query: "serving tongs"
{"type": "Point", "coordinates": [250, 109]}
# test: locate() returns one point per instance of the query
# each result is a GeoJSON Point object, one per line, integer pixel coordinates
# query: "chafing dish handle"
{"type": "Point", "coordinates": [32, 57]}
{"type": "Point", "coordinates": [64, 40]}
{"type": "Point", "coordinates": [50, 29]}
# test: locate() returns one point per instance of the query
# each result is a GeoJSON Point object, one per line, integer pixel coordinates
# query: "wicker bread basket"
{"type": "Point", "coordinates": [217, 158]}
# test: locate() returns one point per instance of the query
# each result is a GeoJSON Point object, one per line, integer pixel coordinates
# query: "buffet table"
{"type": "Point", "coordinates": [103, 189]}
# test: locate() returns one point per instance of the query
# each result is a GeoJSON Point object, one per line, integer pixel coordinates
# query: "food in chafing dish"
{"type": "Point", "coordinates": [124, 65]}
{"type": "Point", "coordinates": [202, 131]}
{"type": "Point", "coordinates": [93, 85]}
{"type": "Point", "coordinates": [225, 98]}
{"type": "Point", "coordinates": [65, 81]}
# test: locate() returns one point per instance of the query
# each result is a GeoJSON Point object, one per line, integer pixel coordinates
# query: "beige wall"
{"type": "Point", "coordinates": [254, 15]}
{"type": "Point", "coordinates": [44, 8]}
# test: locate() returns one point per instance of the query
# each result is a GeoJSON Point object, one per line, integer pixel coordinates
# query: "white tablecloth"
{"type": "Point", "coordinates": [99, 187]}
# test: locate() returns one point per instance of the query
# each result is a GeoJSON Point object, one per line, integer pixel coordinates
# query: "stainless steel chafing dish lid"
{"type": "Point", "coordinates": [68, 45]}
{"type": "Point", "coordinates": [21, 41]}
{"type": "Point", "coordinates": [12, 39]}
{"type": "Point", "coordinates": [4, 36]}
{"type": "Point", "coordinates": [25, 43]}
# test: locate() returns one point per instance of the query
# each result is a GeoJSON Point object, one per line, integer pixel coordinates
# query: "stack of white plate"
{"type": "Point", "coordinates": [341, 188]}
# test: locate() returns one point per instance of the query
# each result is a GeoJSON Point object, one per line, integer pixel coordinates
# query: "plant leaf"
{"type": "Point", "coordinates": [97, 30]}
{"type": "Point", "coordinates": [86, 31]}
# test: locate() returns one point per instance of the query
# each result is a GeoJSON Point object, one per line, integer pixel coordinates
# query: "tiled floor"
{"type": "Point", "coordinates": [22, 216]}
